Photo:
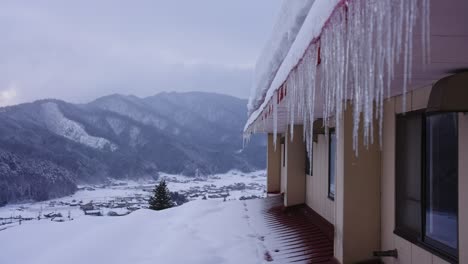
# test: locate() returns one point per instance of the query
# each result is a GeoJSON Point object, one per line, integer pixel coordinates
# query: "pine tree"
{"type": "Point", "coordinates": [161, 198]}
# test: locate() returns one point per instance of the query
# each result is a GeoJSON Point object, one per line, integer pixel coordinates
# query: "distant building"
{"type": "Point", "coordinates": [365, 104]}
{"type": "Point", "coordinates": [93, 212]}
{"type": "Point", "coordinates": [87, 207]}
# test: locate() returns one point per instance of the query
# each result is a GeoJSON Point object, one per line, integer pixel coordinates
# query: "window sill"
{"type": "Point", "coordinates": [429, 248]}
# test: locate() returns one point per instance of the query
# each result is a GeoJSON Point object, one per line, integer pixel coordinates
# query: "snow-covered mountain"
{"type": "Point", "coordinates": [57, 123]}
{"type": "Point", "coordinates": [129, 137]}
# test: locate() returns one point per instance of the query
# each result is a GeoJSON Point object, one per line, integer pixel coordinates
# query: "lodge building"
{"type": "Point", "coordinates": [393, 182]}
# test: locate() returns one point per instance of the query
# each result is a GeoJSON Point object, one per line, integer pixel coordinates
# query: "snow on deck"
{"type": "Point", "coordinates": [290, 235]}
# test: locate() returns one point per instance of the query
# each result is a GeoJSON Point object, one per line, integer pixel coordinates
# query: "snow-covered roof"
{"type": "Point", "coordinates": [345, 50]}
{"type": "Point", "coordinates": [279, 56]}
{"type": "Point", "coordinates": [288, 24]}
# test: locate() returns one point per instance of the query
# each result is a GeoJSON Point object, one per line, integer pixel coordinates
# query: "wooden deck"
{"type": "Point", "coordinates": [291, 235]}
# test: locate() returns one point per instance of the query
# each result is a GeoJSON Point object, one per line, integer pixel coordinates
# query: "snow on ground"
{"type": "Point", "coordinates": [204, 232]}
{"type": "Point", "coordinates": [123, 197]}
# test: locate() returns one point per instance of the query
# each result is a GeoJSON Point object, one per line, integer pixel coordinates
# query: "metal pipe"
{"type": "Point", "coordinates": [387, 253]}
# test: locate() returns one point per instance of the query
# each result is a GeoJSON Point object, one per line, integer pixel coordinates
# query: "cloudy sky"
{"type": "Point", "coordinates": [80, 50]}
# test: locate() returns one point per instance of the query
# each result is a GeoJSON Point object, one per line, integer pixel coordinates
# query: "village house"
{"type": "Point", "coordinates": [365, 106]}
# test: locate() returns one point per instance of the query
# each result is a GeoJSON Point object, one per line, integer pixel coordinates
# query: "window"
{"type": "Point", "coordinates": [442, 180]}
{"type": "Point", "coordinates": [408, 174]}
{"type": "Point", "coordinates": [427, 181]}
{"type": "Point", "coordinates": [332, 165]}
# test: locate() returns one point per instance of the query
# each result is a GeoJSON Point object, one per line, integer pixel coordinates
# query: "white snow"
{"type": "Point", "coordinates": [133, 110]}
{"type": "Point", "coordinates": [198, 232]}
{"type": "Point", "coordinates": [60, 125]}
{"type": "Point", "coordinates": [134, 137]}
{"type": "Point", "coordinates": [120, 196]}
{"type": "Point", "coordinates": [311, 28]}
{"type": "Point", "coordinates": [117, 125]}
{"type": "Point", "coordinates": [284, 33]}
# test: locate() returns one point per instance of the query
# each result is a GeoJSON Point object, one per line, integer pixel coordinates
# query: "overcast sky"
{"type": "Point", "coordinates": [80, 50]}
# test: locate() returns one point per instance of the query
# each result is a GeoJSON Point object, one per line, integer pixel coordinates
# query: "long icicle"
{"type": "Point", "coordinates": [360, 48]}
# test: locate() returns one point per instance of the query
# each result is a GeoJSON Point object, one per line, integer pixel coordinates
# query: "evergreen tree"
{"type": "Point", "coordinates": [161, 198]}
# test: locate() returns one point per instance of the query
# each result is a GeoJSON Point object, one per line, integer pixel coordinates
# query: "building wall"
{"type": "Point", "coordinates": [273, 165]}
{"type": "Point", "coordinates": [409, 253]}
{"type": "Point", "coordinates": [339, 199]}
{"type": "Point", "coordinates": [355, 212]}
{"type": "Point", "coordinates": [295, 168]}
{"type": "Point", "coordinates": [358, 193]}
{"type": "Point", "coordinates": [317, 184]}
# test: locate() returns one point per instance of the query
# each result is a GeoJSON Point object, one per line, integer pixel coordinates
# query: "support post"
{"type": "Point", "coordinates": [295, 168]}
{"type": "Point", "coordinates": [273, 164]}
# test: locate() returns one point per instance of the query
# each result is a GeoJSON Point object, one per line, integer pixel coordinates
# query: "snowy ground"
{"type": "Point", "coordinates": [123, 197]}
{"type": "Point", "coordinates": [210, 231]}
{"type": "Point", "coordinates": [197, 228]}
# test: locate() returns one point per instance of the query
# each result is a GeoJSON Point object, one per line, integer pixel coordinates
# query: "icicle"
{"type": "Point", "coordinates": [360, 48]}
{"type": "Point", "coordinates": [426, 20]}
{"type": "Point", "coordinates": [275, 119]}
{"type": "Point", "coordinates": [310, 70]}
{"type": "Point", "coordinates": [406, 59]}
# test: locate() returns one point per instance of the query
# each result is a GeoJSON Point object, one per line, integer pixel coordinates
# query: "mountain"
{"type": "Point", "coordinates": [127, 137]}
{"type": "Point", "coordinates": [22, 178]}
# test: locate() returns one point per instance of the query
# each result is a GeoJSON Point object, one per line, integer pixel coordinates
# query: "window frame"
{"type": "Point", "coordinates": [401, 231]}
{"type": "Point", "coordinates": [331, 195]}
{"type": "Point", "coordinates": [421, 239]}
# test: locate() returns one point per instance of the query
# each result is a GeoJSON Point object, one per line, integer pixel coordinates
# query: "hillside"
{"type": "Point", "coordinates": [128, 137]}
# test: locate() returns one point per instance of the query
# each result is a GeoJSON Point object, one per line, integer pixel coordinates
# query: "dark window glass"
{"type": "Point", "coordinates": [442, 179]}
{"type": "Point", "coordinates": [408, 174]}
{"type": "Point", "coordinates": [427, 181]}
{"type": "Point", "coordinates": [332, 165]}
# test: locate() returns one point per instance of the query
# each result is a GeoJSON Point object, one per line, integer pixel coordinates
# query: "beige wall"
{"type": "Point", "coordinates": [339, 198]}
{"type": "Point", "coordinates": [364, 218]}
{"type": "Point", "coordinates": [408, 253]}
{"type": "Point", "coordinates": [388, 179]}
{"type": "Point", "coordinates": [273, 164]}
{"type": "Point", "coordinates": [295, 168]}
{"type": "Point", "coordinates": [355, 212]}
{"type": "Point", "coordinates": [317, 184]}
{"type": "Point", "coordinates": [358, 194]}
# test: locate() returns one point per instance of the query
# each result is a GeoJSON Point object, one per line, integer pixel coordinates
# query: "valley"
{"type": "Point", "coordinates": [119, 197]}
{"type": "Point", "coordinates": [49, 147]}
